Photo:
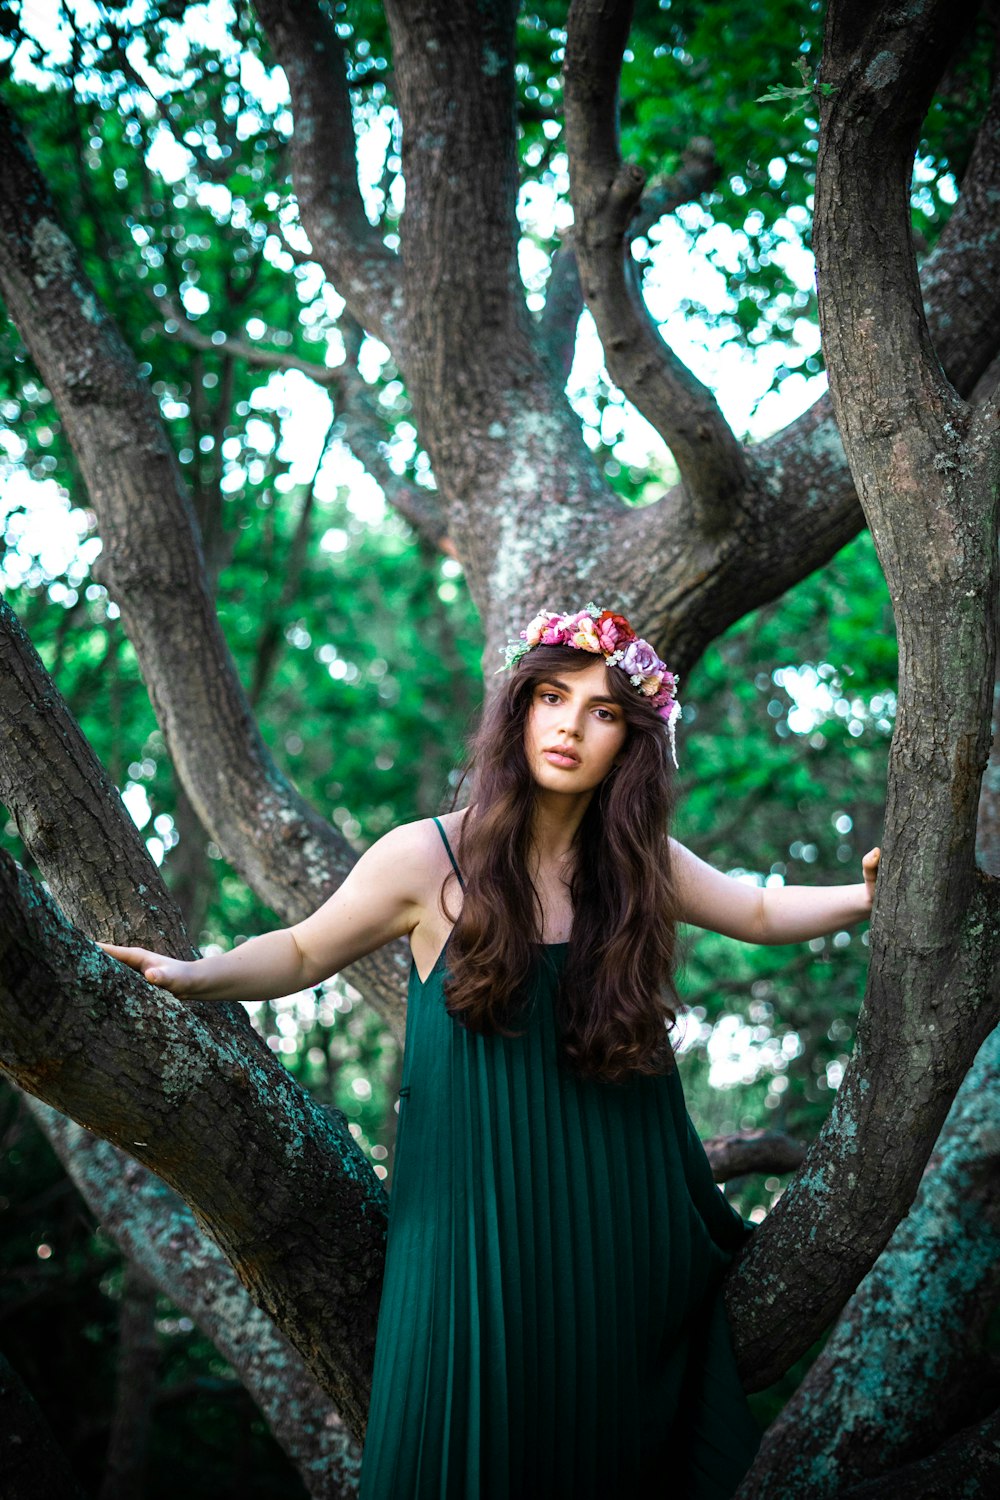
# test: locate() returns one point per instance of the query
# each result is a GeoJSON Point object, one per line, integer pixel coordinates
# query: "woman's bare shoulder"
{"type": "Point", "coordinates": [420, 843]}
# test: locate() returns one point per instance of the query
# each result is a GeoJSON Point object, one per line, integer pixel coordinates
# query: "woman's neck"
{"type": "Point", "coordinates": [554, 823]}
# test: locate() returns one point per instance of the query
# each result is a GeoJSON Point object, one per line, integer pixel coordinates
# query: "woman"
{"type": "Point", "coordinates": [551, 1323]}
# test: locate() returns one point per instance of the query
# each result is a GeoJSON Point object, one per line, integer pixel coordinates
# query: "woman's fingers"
{"type": "Point", "coordinates": [869, 869]}
{"type": "Point", "coordinates": [134, 957]}
{"type": "Point", "coordinates": [152, 966]}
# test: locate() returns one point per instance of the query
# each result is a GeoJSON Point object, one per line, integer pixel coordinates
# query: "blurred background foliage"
{"type": "Point", "coordinates": [163, 130]}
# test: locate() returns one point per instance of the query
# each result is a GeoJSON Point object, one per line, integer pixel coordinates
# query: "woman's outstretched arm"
{"type": "Point", "coordinates": [381, 899]}
{"type": "Point", "coordinates": [768, 914]}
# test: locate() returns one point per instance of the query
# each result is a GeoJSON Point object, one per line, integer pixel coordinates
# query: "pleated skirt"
{"type": "Point", "coordinates": [550, 1326]}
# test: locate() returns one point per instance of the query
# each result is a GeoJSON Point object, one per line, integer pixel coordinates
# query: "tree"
{"type": "Point", "coordinates": [530, 511]}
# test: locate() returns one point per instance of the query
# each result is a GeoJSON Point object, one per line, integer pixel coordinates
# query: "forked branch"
{"type": "Point", "coordinates": [325, 167]}
{"type": "Point", "coordinates": [606, 194]}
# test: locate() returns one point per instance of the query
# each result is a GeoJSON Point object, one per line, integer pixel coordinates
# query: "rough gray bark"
{"type": "Point", "coordinates": [800, 503]}
{"type": "Point", "coordinates": [752, 1151]}
{"type": "Point", "coordinates": [971, 1460]}
{"type": "Point", "coordinates": [716, 470]}
{"type": "Point", "coordinates": [96, 865]}
{"type": "Point", "coordinates": [892, 1381]}
{"type": "Point", "coordinates": [350, 251]}
{"type": "Point", "coordinates": [926, 468]}
{"type": "Point", "coordinates": [150, 1224]}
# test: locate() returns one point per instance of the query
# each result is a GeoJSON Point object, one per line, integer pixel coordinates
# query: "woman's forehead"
{"type": "Point", "coordinates": [590, 678]}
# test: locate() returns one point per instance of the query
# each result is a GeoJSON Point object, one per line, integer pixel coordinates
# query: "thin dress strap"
{"type": "Point", "coordinates": [450, 855]}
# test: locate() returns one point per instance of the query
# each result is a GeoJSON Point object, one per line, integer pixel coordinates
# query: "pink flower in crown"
{"type": "Point", "coordinates": [535, 632]}
{"type": "Point", "coordinates": [554, 634]}
{"type": "Point", "coordinates": [585, 636]}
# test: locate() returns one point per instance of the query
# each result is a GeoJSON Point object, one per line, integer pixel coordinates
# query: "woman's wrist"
{"type": "Point", "coordinates": [863, 893]}
{"type": "Point", "coordinates": [199, 982]}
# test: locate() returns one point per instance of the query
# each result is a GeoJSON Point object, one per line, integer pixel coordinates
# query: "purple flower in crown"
{"type": "Point", "coordinates": [640, 660]}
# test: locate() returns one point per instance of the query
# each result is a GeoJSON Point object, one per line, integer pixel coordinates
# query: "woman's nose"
{"type": "Point", "coordinates": [571, 719]}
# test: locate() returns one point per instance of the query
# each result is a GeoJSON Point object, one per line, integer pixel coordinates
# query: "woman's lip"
{"type": "Point", "coordinates": [558, 759]}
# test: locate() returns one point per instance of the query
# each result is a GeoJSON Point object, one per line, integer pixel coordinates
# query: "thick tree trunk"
{"type": "Point", "coordinates": [891, 1380]}
{"type": "Point", "coordinates": [926, 469]}
{"type": "Point", "coordinates": [902, 1369]}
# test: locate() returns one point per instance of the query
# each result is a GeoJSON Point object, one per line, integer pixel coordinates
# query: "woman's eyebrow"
{"type": "Point", "coordinates": [555, 682]}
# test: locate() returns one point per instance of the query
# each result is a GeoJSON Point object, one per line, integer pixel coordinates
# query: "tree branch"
{"type": "Point", "coordinates": [943, 1264]}
{"type": "Point", "coordinates": [69, 813]}
{"type": "Point", "coordinates": [353, 406]}
{"type": "Point", "coordinates": [247, 353]}
{"type": "Point", "coordinates": [153, 1228]}
{"type": "Point", "coordinates": [454, 70]}
{"type": "Point", "coordinates": [324, 165]}
{"type": "Point", "coordinates": [879, 70]}
{"type": "Point", "coordinates": [960, 285]}
{"type": "Point", "coordinates": [563, 305]}
{"type": "Point", "coordinates": [564, 302]}
{"type": "Point", "coordinates": [715, 469]}
{"type": "Point", "coordinates": [970, 1460]}
{"type": "Point", "coordinates": [805, 507]}
{"type": "Point", "coordinates": [753, 1151]}
{"type": "Point", "coordinates": [159, 1078]}
{"type": "Point", "coordinates": [698, 173]}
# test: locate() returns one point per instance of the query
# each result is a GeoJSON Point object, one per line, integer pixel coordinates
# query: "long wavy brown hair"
{"type": "Point", "coordinates": [613, 1003]}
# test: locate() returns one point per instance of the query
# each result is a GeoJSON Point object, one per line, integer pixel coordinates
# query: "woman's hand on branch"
{"type": "Point", "coordinates": [383, 897]}
{"type": "Point", "coordinates": [775, 914]}
{"type": "Point", "coordinates": [869, 867]}
{"type": "Point", "coordinates": [172, 974]}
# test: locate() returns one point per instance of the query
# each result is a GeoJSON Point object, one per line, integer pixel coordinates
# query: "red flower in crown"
{"type": "Point", "coordinates": [613, 631]}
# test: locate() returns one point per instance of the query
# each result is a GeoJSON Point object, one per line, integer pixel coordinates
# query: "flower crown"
{"type": "Point", "coordinates": [611, 636]}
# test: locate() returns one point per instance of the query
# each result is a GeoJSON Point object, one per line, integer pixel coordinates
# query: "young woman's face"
{"type": "Point", "coordinates": [574, 731]}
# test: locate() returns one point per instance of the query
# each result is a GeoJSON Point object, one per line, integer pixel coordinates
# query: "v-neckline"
{"type": "Point", "coordinates": [424, 982]}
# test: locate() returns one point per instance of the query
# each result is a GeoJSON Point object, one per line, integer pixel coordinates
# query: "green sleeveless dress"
{"type": "Point", "coordinates": [550, 1326]}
